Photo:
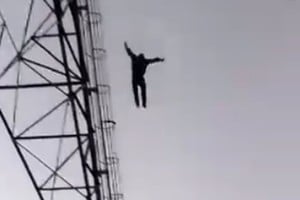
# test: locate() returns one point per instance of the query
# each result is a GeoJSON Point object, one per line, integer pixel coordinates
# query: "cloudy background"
{"type": "Point", "coordinates": [223, 115]}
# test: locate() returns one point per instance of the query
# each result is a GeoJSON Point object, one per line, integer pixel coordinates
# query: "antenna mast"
{"type": "Point", "coordinates": [60, 119]}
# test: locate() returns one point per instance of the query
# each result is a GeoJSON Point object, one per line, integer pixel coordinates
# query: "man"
{"type": "Point", "coordinates": [138, 66]}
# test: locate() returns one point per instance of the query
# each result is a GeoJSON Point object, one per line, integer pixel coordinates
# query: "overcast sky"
{"type": "Point", "coordinates": [222, 121]}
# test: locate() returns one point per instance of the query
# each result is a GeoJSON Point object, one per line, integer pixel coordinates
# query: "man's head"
{"type": "Point", "coordinates": [141, 55]}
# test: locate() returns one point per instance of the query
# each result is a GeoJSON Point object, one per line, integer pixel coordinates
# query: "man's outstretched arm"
{"type": "Point", "coordinates": [154, 60]}
{"type": "Point", "coordinates": [128, 50]}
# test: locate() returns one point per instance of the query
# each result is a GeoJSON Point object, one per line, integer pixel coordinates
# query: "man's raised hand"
{"type": "Point", "coordinates": [125, 44]}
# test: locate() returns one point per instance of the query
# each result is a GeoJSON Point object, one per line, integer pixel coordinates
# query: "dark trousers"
{"type": "Point", "coordinates": [142, 84]}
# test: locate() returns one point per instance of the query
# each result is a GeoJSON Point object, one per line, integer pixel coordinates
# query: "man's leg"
{"type": "Point", "coordinates": [135, 93]}
{"type": "Point", "coordinates": [144, 93]}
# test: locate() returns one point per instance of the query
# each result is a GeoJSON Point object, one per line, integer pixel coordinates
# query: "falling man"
{"type": "Point", "coordinates": [139, 65]}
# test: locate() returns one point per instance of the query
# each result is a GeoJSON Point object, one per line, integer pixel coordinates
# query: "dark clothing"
{"type": "Point", "coordinates": [138, 67]}
{"type": "Point", "coordinates": [142, 84]}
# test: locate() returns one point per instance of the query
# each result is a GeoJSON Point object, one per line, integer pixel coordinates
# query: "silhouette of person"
{"type": "Point", "coordinates": [138, 67]}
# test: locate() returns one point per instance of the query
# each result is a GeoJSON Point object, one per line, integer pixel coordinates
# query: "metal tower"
{"type": "Point", "coordinates": [55, 100]}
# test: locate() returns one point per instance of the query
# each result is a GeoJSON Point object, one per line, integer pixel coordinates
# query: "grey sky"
{"type": "Point", "coordinates": [222, 122]}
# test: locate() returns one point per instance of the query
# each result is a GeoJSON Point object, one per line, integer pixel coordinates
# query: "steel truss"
{"type": "Point", "coordinates": [61, 121]}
